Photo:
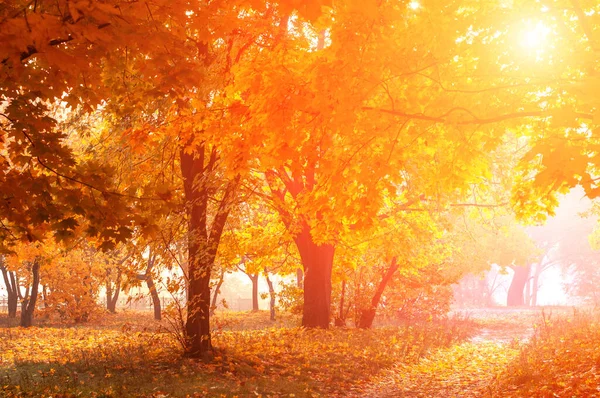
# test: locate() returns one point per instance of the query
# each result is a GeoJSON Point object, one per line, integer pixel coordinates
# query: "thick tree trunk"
{"type": "Point", "coordinates": [155, 298]}
{"type": "Point", "coordinates": [317, 261]}
{"type": "Point", "coordinates": [29, 302]}
{"type": "Point", "coordinates": [202, 244]}
{"type": "Point", "coordinates": [517, 285]}
{"type": "Point", "coordinates": [254, 279]}
{"type": "Point", "coordinates": [341, 319]}
{"type": "Point", "coordinates": [367, 315]}
{"type": "Point", "coordinates": [271, 296]}
{"type": "Point", "coordinates": [197, 326]}
{"type": "Point", "coordinates": [216, 292]}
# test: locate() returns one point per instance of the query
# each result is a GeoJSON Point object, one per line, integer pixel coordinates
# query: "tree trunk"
{"type": "Point", "coordinates": [527, 295]}
{"type": "Point", "coordinates": [536, 281]}
{"type": "Point", "coordinates": [45, 295]}
{"type": "Point", "coordinates": [213, 305]}
{"type": "Point", "coordinates": [197, 326]}
{"type": "Point", "coordinates": [341, 319]}
{"type": "Point", "coordinates": [13, 303]}
{"type": "Point", "coordinates": [517, 285]}
{"type": "Point", "coordinates": [29, 302]}
{"type": "Point", "coordinates": [271, 296]}
{"type": "Point", "coordinates": [317, 261]}
{"type": "Point", "coordinates": [299, 278]}
{"type": "Point", "coordinates": [254, 279]}
{"type": "Point", "coordinates": [202, 244]}
{"type": "Point", "coordinates": [111, 305]}
{"type": "Point", "coordinates": [367, 315]}
{"type": "Point", "coordinates": [183, 265]}
{"type": "Point", "coordinates": [491, 288]}
{"type": "Point", "coordinates": [10, 281]}
{"type": "Point", "coordinates": [112, 296]}
{"type": "Point", "coordinates": [147, 277]}
{"type": "Point", "coordinates": [155, 298]}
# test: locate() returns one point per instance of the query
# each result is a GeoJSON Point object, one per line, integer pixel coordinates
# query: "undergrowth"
{"type": "Point", "coordinates": [562, 359]}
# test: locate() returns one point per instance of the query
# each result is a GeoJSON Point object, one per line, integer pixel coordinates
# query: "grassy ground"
{"type": "Point", "coordinates": [515, 353]}
{"type": "Point", "coordinates": [562, 359]}
{"type": "Point", "coordinates": [131, 355]}
{"type": "Point", "coordinates": [483, 353]}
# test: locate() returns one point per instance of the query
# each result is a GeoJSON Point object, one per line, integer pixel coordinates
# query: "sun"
{"type": "Point", "coordinates": [414, 5]}
{"type": "Point", "coordinates": [534, 35]}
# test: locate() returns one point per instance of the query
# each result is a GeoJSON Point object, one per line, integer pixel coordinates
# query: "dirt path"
{"type": "Point", "coordinates": [463, 370]}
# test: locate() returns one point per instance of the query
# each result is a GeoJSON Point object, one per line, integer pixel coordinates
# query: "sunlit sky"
{"type": "Point", "coordinates": [534, 35]}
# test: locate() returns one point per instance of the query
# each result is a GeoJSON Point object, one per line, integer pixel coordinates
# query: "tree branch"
{"type": "Point", "coordinates": [474, 119]}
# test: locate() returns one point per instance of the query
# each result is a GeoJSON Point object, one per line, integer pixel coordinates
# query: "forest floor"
{"type": "Point", "coordinates": [467, 369]}
{"type": "Point", "coordinates": [477, 353]}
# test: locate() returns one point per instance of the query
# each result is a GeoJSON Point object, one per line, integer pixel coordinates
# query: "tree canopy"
{"type": "Point", "coordinates": [358, 131]}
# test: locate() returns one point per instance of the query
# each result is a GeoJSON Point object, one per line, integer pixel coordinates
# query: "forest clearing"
{"type": "Point", "coordinates": [299, 198]}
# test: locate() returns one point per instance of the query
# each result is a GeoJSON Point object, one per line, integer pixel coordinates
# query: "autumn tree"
{"type": "Point", "coordinates": [210, 163]}
{"type": "Point", "coordinates": [115, 269]}
{"type": "Point", "coordinates": [23, 266]}
{"type": "Point", "coordinates": [563, 145]}
{"type": "Point", "coordinates": [336, 127]}
{"type": "Point", "coordinates": [331, 156]}
{"type": "Point", "coordinates": [73, 278]}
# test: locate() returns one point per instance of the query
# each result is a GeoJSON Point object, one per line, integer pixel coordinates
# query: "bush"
{"type": "Point", "coordinates": [425, 303]}
{"type": "Point", "coordinates": [291, 298]}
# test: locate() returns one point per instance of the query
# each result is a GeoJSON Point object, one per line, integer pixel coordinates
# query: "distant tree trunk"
{"type": "Point", "coordinates": [517, 285]}
{"type": "Point", "coordinates": [155, 298]}
{"type": "Point", "coordinates": [112, 292]}
{"type": "Point", "coordinates": [368, 314]}
{"type": "Point", "coordinates": [203, 242]}
{"type": "Point", "coordinates": [483, 293]}
{"type": "Point", "coordinates": [110, 306]}
{"type": "Point", "coordinates": [540, 267]}
{"type": "Point", "coordinates": [213, 305]}
{"type": "Point", "coordinates": [147, 277]}
{"type": "Point", "coordinates": [317, 261]}
{"type": "Point", "coordinates": [45, 295]}
{"type": "Point", "coordinates": [271, 296]}
{"type": "Point", "coordinates": [183, 265]}
{"type": "Point", "coordinates": [341, 319]}
{"type": "Point", "coordinates": [29, 301]}
{"type": "Point", "coordinates": [491, 288]}
{"type": "Point", "coordinates": [254, 279]}
{"type": "Point", "coordinates": [10, 281]}
{"type": "Point", "coordinates": [527, 293]}
{"type": "Point", "coordinates": [535, 288]}
{"type": "Point", "coordinates": [299, 278]}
